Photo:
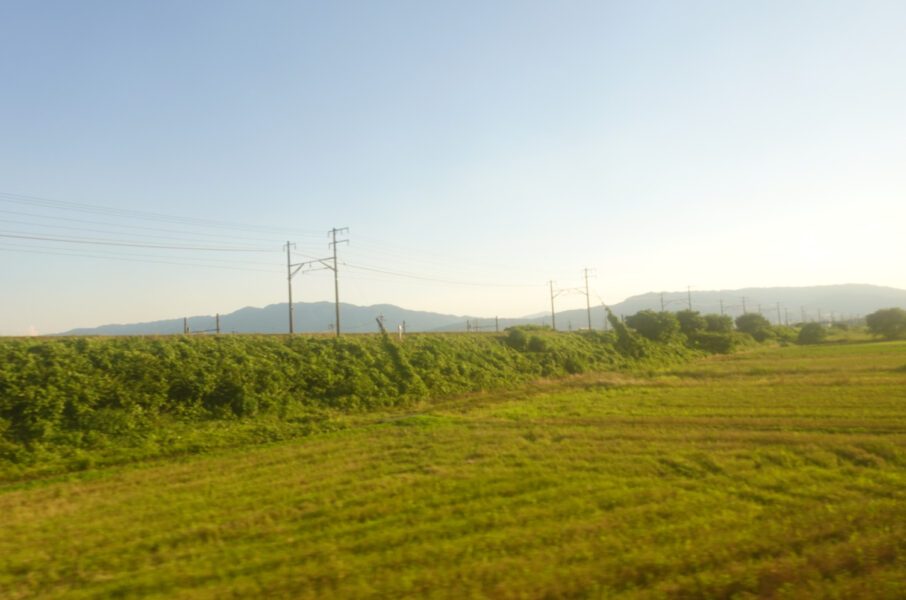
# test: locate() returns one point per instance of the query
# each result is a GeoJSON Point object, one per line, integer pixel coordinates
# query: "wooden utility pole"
{"type": "Point", "coordinates": [587, 300]}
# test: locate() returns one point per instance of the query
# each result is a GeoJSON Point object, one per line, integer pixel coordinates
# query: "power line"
{"type": "Point", "coordinates": [436, 279]}
{"type": "Point", "coordinates": [102, 253]}
{"type": "Point", "coordinates": [129, 244]}
{"type": "Point", "coordinates": [117, 225]}
{"type": "Point", "coordinates": [133, 214]}
{"type": "Point", "coordinates": [13, 248]}
{"type": "Point", "coordinates": [422, 256]}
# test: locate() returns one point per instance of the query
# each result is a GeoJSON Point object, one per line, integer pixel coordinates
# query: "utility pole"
{"type": "Point", "coordinates": [217, 323]}
{"type": "Point", "coordinates": [336, 281]}
{"type": "Point", "coordinates": [689, 295]}
{"type": "Point", "coordinates": [185, 325]}
{"type": "Point", "coordinates": [326, 263]}
{"type": "Point", "coordinates": [721, 306]}
{"type": "Point", "coordinates": [553, 312]}
{"type": "Point", "coordinates": [587, 299]}
{"type": "Point", "coordinates": [289, 286]}
{"type": "Point", "coordinates": [662, 301]}
{"type": "Point", "coordinates": [291, 269]}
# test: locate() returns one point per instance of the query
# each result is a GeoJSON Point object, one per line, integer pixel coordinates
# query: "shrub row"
{"type": "Point", "coordinates": [86, 392]}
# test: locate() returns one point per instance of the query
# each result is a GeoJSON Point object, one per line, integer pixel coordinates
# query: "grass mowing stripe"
{"type": "Point", "coordinates": [678, 485]}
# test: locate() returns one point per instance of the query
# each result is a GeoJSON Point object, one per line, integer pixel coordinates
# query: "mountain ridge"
{"type": "Point", "coordinates": [783, 304]}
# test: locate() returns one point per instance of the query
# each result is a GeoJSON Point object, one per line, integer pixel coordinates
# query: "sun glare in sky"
{"type": "Point", "coordinates": [156, 157]}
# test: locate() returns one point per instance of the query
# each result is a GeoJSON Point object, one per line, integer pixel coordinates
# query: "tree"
{"type": "Point", "coordinates": [888, 322]}
{"type": "Point", "coordinates": [658, 326]}
{"type": "Point", "coordinates": [691, 322]}
{"type": "Point", "coordinates": [811, 333]}
{"type": "Point", "coordinates": [755, 325]}
{"type": "Point", "coordinates": [719, 323]}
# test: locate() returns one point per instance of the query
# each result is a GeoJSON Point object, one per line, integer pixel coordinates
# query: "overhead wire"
{"type": "Point", "coordinates": [138, 214]}
{"type": "Point", "coordinates": [87, 230]}
{"type": "Point", "coordinates": [129, 244]}
{"type": "Point", "coordinates": [414, 263]}
{"type": "Point", "coordinates": [140, 259]}
{"type": "Point", "coordinates": [125, 225]}
{"type": "Point", "coordinates": [435, 279]}
{"type": "Point", "coordinates": [420, 257]}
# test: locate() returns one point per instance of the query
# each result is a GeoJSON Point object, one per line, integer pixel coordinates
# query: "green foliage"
{"type": "Point", "coordinates": [755, 325]}
{"type": "Point", "coordinates": [657, 326]}
{"type": "Point", "coordinates": [718, 342]}
{"type": "Point", "coordinates": [778, 473]}
{"type": "Point", "coordinates": [537, 344]}
{"type": "Point", "coordinates": [811, 333]}
{"type": "Point", "coordinates": [627, 343]}
{"type": "Point", "coordinates": [517, 338]}
{"type": "Point", "coordinates": [691, 322]}
{"type": "Point", "coordinates": [123, 398]}
{"type": "Point", "coordinates": [888, 322]}
{"type": "Point", "coordinates": [783, 334]}
{"type": "Point", "coordinates": [719, 323]}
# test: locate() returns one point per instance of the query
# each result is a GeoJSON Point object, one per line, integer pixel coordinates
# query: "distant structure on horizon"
{"type": "Point", "coordinates": [779, 304]}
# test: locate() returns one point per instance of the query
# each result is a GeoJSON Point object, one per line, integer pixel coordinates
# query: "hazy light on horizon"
{"type": "Point", "coordinates": [475, 150]}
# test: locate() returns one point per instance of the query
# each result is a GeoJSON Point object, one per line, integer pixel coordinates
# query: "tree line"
{"type": "Point", "coordinates": [722, 333]}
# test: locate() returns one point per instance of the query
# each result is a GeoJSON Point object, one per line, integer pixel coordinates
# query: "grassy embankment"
{"type": "Point", "coordinates": [777, 473]}
{"type": "Point", "coordinates": [73, 403]}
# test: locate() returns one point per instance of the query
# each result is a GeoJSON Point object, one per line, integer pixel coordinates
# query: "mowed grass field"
{"type": "Point", "coordinates": [778, 473]}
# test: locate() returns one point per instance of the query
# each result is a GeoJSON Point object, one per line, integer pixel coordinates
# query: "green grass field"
{"type": "Point", "coordinates": [776, 473]}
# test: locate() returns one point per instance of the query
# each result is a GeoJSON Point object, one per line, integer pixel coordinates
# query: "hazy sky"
{"type": "Point", "coordinates": [475, 151]}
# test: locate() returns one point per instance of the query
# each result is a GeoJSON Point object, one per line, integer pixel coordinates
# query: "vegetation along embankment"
{"type": "Point", "coordinates": [71, 403]}
{"type": "Point", "coordinates": [775, 473]}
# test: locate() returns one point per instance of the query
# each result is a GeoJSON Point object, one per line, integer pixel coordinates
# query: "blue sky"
{"type": "Point", "coordinates": [475, 151]}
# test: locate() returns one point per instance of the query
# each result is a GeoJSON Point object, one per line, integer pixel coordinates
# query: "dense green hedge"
{"type": "Point", "coordinates": [90, 393]}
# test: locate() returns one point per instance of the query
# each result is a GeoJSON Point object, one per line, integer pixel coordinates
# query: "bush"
{"type": "Point", "coordinates": [888, 322]}
{"type": "Point", "coordinates": [714, 342]}
{"type": "Point", "coordinates": [755, 325]}
{"type": "Point", "coordinates": [537, 344]}
{"type": "Point", "coordinates": [719, 323]}
{"type": "Point", "coordinates": [656, 326]}
{"type": "Point", "coordinates": [811, 333]}
{"type": "Point", "coordinates": [517, 338]}
{"type": "Point", "coordinates": [691, 322]}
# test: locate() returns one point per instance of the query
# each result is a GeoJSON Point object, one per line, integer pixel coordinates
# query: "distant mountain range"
{"type": "Point", "coordinates": [786, 304]}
